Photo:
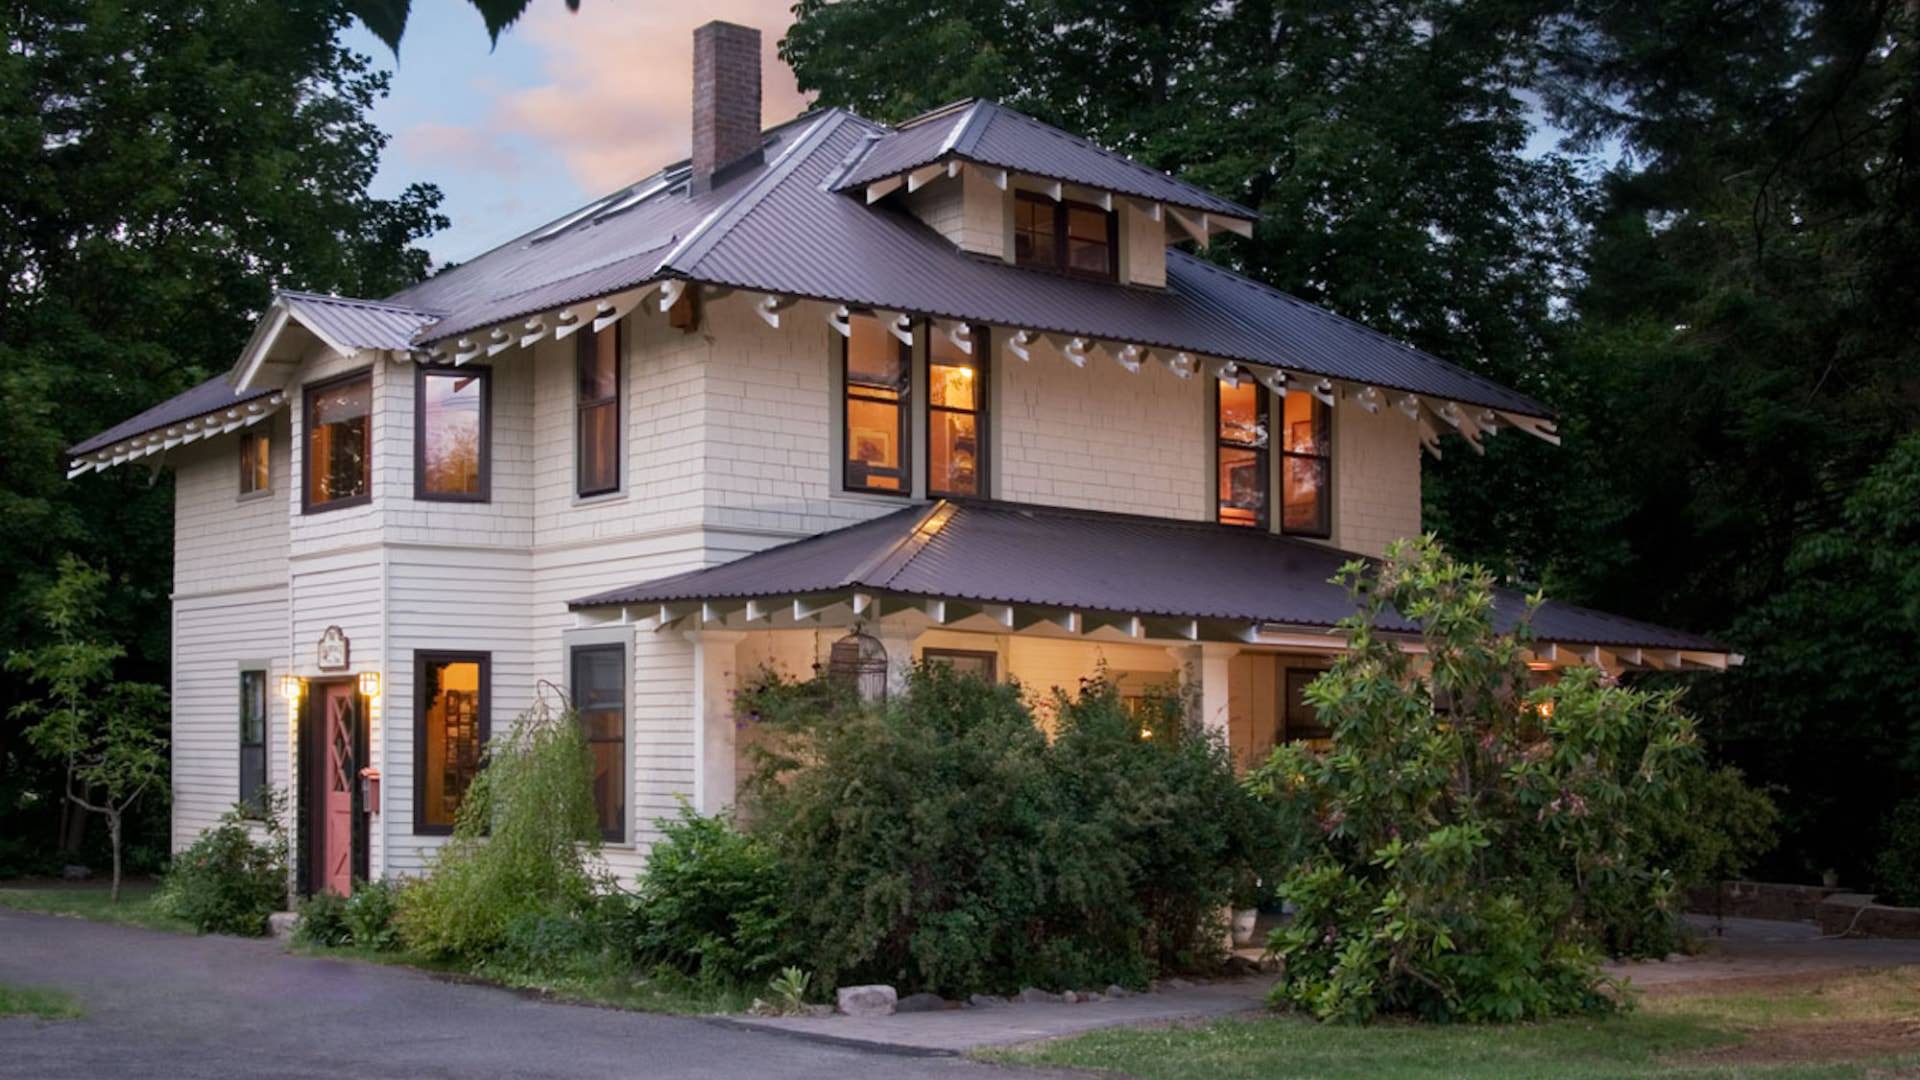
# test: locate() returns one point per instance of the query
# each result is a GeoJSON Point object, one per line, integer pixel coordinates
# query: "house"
{"type": "Point", "coordinates": [956, 387]}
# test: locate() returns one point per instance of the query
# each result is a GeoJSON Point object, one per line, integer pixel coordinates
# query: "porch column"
{"type": "Point", "coordinates": [898, 639]}
{"type": "Point", "coordinates": [715, 668]}
{"type": "Point", "coordinates": [1207, 665]}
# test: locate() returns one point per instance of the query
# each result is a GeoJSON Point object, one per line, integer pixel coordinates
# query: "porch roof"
{"type": "Point", "coordinates": [1086, 568]}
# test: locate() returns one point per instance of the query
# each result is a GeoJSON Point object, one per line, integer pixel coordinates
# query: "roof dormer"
{"type": "Point", "coordinates": [1003, 185]}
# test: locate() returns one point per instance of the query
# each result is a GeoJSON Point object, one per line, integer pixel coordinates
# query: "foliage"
{"type": "Point", "coordinates": [789, 989]}
{"type": "Point", "coordinates": [108, 734]}
{"type": "Point", "coordinates": [1897, 871]}
{"type": "Point", "coordinates": [521, 847]}
{"type": "Point", "coordinates": [363, 919]}
{"type": "Point", "coordinates": [387, 19]}
{"type": "Point", "coordinates": [38, 1002]}
{"type": "Point", "coordinates": [137, 905]}
{"type": "Point", "coordinates": [1467, 832]}
{"type": "Point", "coordinates": [233, 877]}
{"type": "Point", "coordinates": [323, 921]}
{"type": "Point", "coordinates": [715, 902]}
{"type": "Point", "coordinates": [941, 842]}
{"type": "Point", "coordinates": [1711, 829]}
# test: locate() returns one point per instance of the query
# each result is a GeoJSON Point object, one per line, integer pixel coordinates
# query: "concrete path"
{"type": "Point", "coordinates": [167, 1005]}
{"type": "Point", "coordinates": [960, 1030]}
{"type": "Point", "coordinates": [1761, 949]}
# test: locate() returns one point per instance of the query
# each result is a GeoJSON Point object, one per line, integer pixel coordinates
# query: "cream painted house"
{"type": "Point", "coordinates": [957, 385]}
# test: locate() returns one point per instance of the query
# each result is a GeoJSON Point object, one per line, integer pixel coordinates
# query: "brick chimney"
{"type": "Point", "coordinates": [726, 101]}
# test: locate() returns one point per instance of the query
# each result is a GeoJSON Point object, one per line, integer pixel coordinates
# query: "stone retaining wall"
{"type": "Point", "coordinates": [1835, 911]}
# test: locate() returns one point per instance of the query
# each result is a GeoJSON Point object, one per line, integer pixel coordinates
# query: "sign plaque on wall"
{"type": "Point", "coordinates": [333, 651]}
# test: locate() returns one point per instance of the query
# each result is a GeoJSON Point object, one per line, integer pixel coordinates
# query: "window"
{"type": "Point", "coordinates": [600, 697]}
{"type": "Point", "coordinates": [451, 726]}
{"type": "Point", "coordinates": [451, 434]}
{"type": "Point", "coordinates": [876, 366]}
{"type": "Point", "coordinates": [598, 421]}
{"type": "Point", "coordinates": [339, 443]}
{"type": "Point", "coordinates": [1305, 472]}
{"type": "Point", "coordinates": [1078, 238]}
{"type": "Point", "coordinates": [255, 462]}
{"type": "Point", "coordinates": [979, 664]}
{"type": "Point", "coordinates": [1240, 453]}
{"type": "Point", "coordinates": [1301, 720]}
{"type": "Point", "coordinates": [253, 735]}
{"type": "Point", "coordinates": [957, 417]}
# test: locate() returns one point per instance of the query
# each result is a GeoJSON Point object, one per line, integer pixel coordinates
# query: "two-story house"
{"type": "Point", "coordinates": [951, 390]}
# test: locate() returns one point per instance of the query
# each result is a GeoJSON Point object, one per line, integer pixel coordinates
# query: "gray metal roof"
{"type": "Point", "coordinates": [1006, 553]}
{"type": "Point", "coordinates": [989, 133]}
{"type": "Point", "coordinates": [347, 323]}
{"type": "Point", "coordinates": [209, 396]}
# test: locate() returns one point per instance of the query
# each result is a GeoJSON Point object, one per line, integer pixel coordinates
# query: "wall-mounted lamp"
{"type": "Point", "coordinates": [370, 684]}
{"type": "Point", "coordinates": [292, 686]}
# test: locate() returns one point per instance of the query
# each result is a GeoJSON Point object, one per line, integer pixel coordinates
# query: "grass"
{"type": "Point", "coordinates": [37, 1002]}
{"type": "Point", "coordinates": [135, 907]}
{"type": "Point", "coordinates": [1664, 1037]}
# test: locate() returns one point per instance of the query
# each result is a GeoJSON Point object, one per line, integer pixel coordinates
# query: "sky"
{"type": "Point", "coordinates": [568, 107]}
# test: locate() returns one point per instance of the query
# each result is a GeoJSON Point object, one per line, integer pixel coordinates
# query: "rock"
{"type": "Point", "coordinates": [1070, 997]}
{"type": "Point", "coordinates": [280, 925]}
{"type": "Point", "coordinates": [924, 1002]}
{"type": "Point", "coordinates": [817, 1010]}
{"type": "Point", "coordinates": [875, 1000]}
{"type": "Point", "coordinates": [1090, 996]}
{"type": "Point", "coordinates": [1034, 995]}
{"type": "Point", "coordinates": [986, 1001]}
{"type": "Point", "coordinates": [1118, 991]}
{"type": "Point", "coordinates": [75, 872]}
{"type": "Point", "coordinates": [1179, 984]}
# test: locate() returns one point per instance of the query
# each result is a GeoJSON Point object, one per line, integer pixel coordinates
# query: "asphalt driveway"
{"type": "Point", "coordinates": [166, 1005]}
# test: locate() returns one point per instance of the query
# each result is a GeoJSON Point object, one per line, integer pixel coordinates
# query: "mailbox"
{"type": "Point", "coordinates": [370, 789]}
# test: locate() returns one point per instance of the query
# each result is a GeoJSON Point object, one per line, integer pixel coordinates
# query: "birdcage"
{"type": "Point", "coordinates": [860, 661]}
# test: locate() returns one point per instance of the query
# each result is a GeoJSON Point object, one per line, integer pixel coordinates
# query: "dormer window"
{"type": "Point", "coordinates": [1075, 238]}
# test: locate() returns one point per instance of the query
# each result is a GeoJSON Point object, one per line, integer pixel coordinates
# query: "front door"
{"type": "Point", "coordinates": [332, 806]}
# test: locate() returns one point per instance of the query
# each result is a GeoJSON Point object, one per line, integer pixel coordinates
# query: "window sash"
{"type": "Point", "coordinates": [1052, 248]}
{"type": "Point", "coordinates": [595, 704]}
{"type": "Point", "coordinates": [943, 354]}
{"type": "Point", "coordinates": [1242, 465]}
{"type": "Point", "coordinates": [331, 480]}
{"type": "Point", "coordinates": [253, 734]}
{"type": "Point", "coordinates": [857, 474]}
{"type": "Point", "coordinates": [428, 668]}
{"type": "Point", "coordinates": [475, 485]}
{"type": "Point", "coordinates": [982, 663]}
{"type": "Point", "coordinates": [597, 463]}
{"type": "Point", "coordinates": [1313, 462]}
{"type": "Point", "coordinates": [256, 458]}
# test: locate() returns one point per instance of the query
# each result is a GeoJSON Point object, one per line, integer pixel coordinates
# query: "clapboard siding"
{"type": "Point", "coordinates": [214, 636]}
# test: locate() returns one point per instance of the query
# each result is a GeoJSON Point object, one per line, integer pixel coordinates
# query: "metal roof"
{"type": "Point", "coordinates": [210, 396]}
{"type": "Point", "coordinates": [989, 133]}
{"type": "Point", "coordinates": [1007, 553]}
{"type": "Point", "coordinates": [347, 324]}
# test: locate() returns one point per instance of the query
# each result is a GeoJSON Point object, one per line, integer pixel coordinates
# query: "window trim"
{"type": "Point", "coordinates": [1060, 264]}
{"type": "Point", "coordinates": [307, 391]}
{"type": "Point", "coordinates": [585, 343]}
{"type": "Point", "coordinates": [618, 834]}
{"type": "Point", "coordinates": [1277, 482]}
{"type": "Point", "coordinates": [1262, 397]}
{"type": "Point", "coordinates": [982, 414]}
{"type": "Point", "coordinates": [422, 660]}
{"type": "Point", "coordinates": [266, 737]}
{"type": "Point", "coordinates": [422, 373]}
{"type": "Point", "coordinates": [904, 425]}
{"type": "Point", "coordinates": [992, 657]}
{"type": "Point", "coordinates": [263, 439]}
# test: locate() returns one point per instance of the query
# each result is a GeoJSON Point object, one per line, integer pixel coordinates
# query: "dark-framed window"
{"type": "Point", "coordinates": [452, 721]}
{"type": "Point", "coordinates": [253, 735]}
{"type": "Point", "coordinates": [982, 664]}
{"type": "Point", "coordinates": [1306, 467]}
{"type": "Point", "coordinates": [957, 419]}
{"type": "Point", "coordinates": [256, 462]}
{"type": "Point", "coordinates": [339, 442]}
{"type": "Point", "coordinates": [1300, 720]}
{"type": "Point", "coordinates": [1072, 237]}
{"type": "Point", "coordinates": [1240, 452]}
{"type": "Point", "coordinates": [452, 433]}
{"type": "Point", "coordinates": [600, 700]}
{"type": "Point", "coordinates": [597, 412]}
{"type": "Point", "coordinates": [876, 368]}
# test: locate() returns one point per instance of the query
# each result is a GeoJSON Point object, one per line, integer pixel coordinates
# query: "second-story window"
{"type": "Point", "coordinates": [1077, 238]}
{"type": "Point", "coordinates": [1305, 467]}
{"type": "Point", "coordinates": [876, 368]}
{"type": "Point", "coordinates": [339, 457]}
{"type": "Point", "coordinates": [255, 462]}
{"type": "Point", "coordinates": [1240, 453]}
{"type": "Point", "coordinates": [598, 404]}
{"type": "Point", "coordinates": [450, 436]}
{"type": "Point", "coordinates": [957, 417]}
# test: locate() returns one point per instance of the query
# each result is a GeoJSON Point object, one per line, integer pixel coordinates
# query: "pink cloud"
{"type": "Point", "coordinates": [436, 145]}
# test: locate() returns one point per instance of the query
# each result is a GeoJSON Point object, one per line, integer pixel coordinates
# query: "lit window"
{"type": "Point", "coordinates": [253, 735]}
{"type": "Point", "coordinates": [1240, 453]}
{"type": "Point", "coordinates": [876, 366]}
{"type": "Point", "coordinates": [339, 453]}
{"type": "Point", "coordinates": [598, 404]}
{"type": "Point", "coordinates": [957, 417]}
{"type": "Point", "coordinates": [450, 434]}
{"type": "Point", "coordinates": [979, 664]}
{"type": "Point", "coordinates": [255, 462]}
{"type": "Point", "coordinates": [451, 728]}
{"type": "Point", "coordinates": [1305, 467]}
{"type": "Point", "coordinates": [600, 697]}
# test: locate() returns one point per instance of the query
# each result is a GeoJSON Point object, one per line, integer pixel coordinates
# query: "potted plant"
{"type": "Point", "coordinates": [1246, 910]}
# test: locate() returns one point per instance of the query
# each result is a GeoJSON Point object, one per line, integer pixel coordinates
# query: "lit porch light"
{"type": "Point", "coordinates": [370, 684]}
{"type": "Point", "coordinates": [292, 686]}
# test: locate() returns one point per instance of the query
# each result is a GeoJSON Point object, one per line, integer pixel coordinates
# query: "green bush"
{"type": "Point", "coordinates": [229, 881]}
{"type": "Point", "coordinates": [369, 915]}
{"type": "Point", "coordinates": [323, 921]}
{"type": "Point", "coordinates": [1898, 865]}
{"type": "Point", "coordinates": [521, 845]}
{"type": "Point", "coordinates": [941, 842]}
{"type": "Point", "coordinates": [715, 902]}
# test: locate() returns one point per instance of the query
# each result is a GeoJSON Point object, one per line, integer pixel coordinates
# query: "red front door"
{"type": "Point", "coordinates": [339, 736]}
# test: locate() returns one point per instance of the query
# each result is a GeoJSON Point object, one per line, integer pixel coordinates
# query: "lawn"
{"type": "Point", "coordinates": [1846, 1026]}
{"type": "Point", "coordinates": [135, 907]}
{"type": "Point", "coordinates": [37, 1002]}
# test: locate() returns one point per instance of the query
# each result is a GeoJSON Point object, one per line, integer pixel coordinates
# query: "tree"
{"type": "Point", "coordinates": [108, 735]}
{"type": "Point", "coordinates": [387, 19]}
{"type": "Point", "coordinates": [169, 164]}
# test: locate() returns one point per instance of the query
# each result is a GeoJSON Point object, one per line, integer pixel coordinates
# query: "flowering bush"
{"type": "Point", "coordinates": [235, 874]}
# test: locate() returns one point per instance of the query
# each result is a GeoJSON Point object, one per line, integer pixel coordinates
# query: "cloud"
{"type": "Point", "coordinates": [617, 101]}
{"type": "Point", "coordinates": [473, 149]}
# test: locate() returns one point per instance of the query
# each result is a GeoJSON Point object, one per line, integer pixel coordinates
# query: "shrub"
{"type": "Point", "coordinates": [1898, 866]}
{"type": "Point", "coordinates": [323, 921]}
{"type": "Point", "coordinates": [229, 881]}
{"type": "Point", "coordinates": [715, 902]}
{"type": "Point", "coordinates": [1710, 826]}
{"type": "Point", "coordinates": [1466, 836]}
{"type": "Point", "coordinates": [369, 915]}
{"type": "Point", "coordinates": [521, 845]}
